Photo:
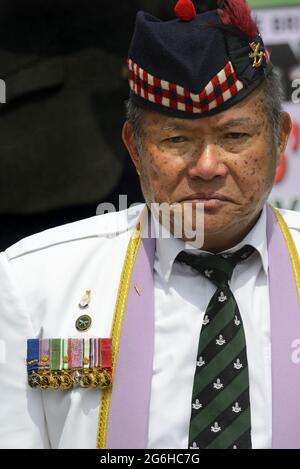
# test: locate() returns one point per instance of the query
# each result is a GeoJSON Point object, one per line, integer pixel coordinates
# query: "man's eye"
{"type": "Point", "coordinates": [236, 135]}
{"type": "Point", "coordinates": [178, 139]}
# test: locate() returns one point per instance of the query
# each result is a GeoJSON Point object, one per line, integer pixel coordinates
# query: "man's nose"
{"type": "Point", "coordinates": [208, 163]}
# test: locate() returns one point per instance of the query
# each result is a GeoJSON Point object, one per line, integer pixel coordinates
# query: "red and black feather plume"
{"type": "Point", "coordinates": [237, 13]}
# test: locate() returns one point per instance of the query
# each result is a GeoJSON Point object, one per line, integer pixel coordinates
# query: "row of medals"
{"type": "Point", "coordinates": [66, 379]}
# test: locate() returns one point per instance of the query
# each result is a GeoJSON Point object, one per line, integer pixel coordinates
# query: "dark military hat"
{"type": "Point", "coordinates": [201, 63]}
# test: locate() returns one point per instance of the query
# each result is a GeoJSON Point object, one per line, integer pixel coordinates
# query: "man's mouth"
{"type": "Point", "coordinates": [209, 200]}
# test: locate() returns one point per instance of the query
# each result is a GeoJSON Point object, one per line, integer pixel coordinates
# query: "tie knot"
{"type": "Point", "coordinates": [216, 267]}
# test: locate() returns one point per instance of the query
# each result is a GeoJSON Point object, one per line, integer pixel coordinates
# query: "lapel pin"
{"type": "Point", "coordinates": [83, 323]}
{"type": "Point", "coordinates": [137, 289]}
{"type": "Point", "coordinates": [85, 300]}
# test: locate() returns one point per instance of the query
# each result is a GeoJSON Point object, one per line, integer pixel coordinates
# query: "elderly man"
{"type": "Point", "coordinates": [114, 336]}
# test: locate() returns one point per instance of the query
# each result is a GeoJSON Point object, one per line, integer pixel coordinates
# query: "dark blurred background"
{"type": "Point", "coordinates": [64, 65]}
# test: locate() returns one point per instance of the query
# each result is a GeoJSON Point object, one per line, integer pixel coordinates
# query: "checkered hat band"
{"type": "Point", "coordinates": [223, 86]}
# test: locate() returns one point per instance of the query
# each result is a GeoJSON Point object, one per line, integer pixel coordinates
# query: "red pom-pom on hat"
{"type": "Point", "coordinates": [185, 10]}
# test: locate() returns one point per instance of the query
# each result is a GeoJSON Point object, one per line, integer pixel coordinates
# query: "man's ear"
{"type": "Point", "coordinates": [130, 143]}
{"type": "Point", "coordinates": [285, 127]}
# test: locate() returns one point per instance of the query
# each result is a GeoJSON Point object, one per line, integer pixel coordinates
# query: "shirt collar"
{"type": "Point", "coordinates": [168, 247]}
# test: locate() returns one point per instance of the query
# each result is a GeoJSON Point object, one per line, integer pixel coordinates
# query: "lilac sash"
{"type": "Point", "coordinates": [285, 328]}
{"type": "Point", "coordinates": [129, 409]}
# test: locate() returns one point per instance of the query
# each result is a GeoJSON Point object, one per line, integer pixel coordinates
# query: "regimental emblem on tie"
{"type": "Point", "coordinates": [237, 322]}
{"type": "Point", "coordinates": [216, 428]}
{"type": "Point", "coordinates": [222, 297]}
{"type": "Point", "coordinates": [194, 446]}
{"type": "Point", "coordinates": [238, 365]}
{"type": "Point", "coordinates": [221, 380]}
{"type": "Point", "coordinates": [236, 408]}
{"type": "Point", "coordinates": [218, 385]}
{"type": "Point", "coordinates": [200, 362]}
{"type": "Point", "coordinates": [220, 341]}
{"type": "Point", "coordinates": [205, 320]}
{"type": "Point", "coordinates": [197, 405]}
{"type": "Point", "coordinates": [65, 363]}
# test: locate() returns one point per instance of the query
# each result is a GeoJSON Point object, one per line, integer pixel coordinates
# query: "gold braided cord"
{"type": "Point", "coordinates": [123, 291]}
{"type": "Point", "coordinates": [291, 247]}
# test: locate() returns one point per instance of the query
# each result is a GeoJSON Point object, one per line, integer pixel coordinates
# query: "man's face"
{"type": "Point", "coordinates": [227, 161]}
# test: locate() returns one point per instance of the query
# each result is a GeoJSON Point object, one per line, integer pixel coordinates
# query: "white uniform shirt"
{"type": "Point", "coordinates": [181, 298]}
{"type": "Point", "coordinates": [43, 277]}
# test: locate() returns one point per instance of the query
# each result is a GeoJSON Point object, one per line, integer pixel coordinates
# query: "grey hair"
{"type": "Point", "coordinates": [134, 115]}
{"type": "Point", "coordinates": [272, 95]}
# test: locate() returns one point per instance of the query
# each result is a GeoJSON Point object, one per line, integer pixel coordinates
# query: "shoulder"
{"type": "Point", "coordinates": [291, 218]}
{"type": "Point", "coordinates": [107, 226]}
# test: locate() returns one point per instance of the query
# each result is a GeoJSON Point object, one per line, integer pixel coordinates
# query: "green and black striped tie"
{"type": "Point", "coordinates": [220, 415]}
